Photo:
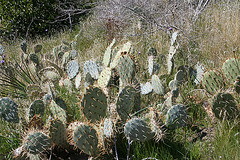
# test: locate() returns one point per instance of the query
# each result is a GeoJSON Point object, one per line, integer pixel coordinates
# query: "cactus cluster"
{"type": "Point", "coordinates": [110, 99]}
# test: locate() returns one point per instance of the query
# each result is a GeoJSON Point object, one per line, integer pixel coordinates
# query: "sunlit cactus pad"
{"type": "Point", "coordinates": [213, 81]}
{"type": "Point", "coordinates": [138, 130]}
{"type": "Point", "coordinates": [224, 106]}
{"type": "Point", "coordinates": [92, 68]}
{"type": "Point", "coordinates": [72, 69]}
{"type": "Point", "coordinates": [231, 69]}
{"type": "Point", "coordinates": [36, 142]}
{"type": "Point", "coordinates": [157, 85]}
{"type": "Point", "coordinates": [85, 138]}
{"type": "Point", "coordinates": [104, 77]}
{"type": "Point", "coordinates": [176, 116]}
{"type": "Point", "coordinates": [125, 68]}
{"type": "Point", "coordinates": [146, 88]}
{"type": "Point", "coordinates": [94, 104]}
{"type": "Point", "coordinates": [9, 110]}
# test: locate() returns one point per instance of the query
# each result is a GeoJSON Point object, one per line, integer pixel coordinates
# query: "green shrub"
{"type": "Point", "coordinates": [25, 18]}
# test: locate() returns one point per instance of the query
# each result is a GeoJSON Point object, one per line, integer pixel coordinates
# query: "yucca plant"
{"type": "Point", "coordinates": [15, 78]}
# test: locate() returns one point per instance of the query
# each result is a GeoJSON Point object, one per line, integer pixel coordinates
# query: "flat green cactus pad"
{"type": "Point", "coordinates": [125, 102]}
{"type": "Point", "coordinates": [213, 81]}
{"type": "Point", "coordinates": [36, 142]}
{"type": "Point", "coordinates": [157, 85]}
{"type": "Point", "coordinates": [231, 69]}
{"type": "Point", "coordinates": [138, 130]}
{"type": "Point", "coordinates": [57, 132]}
{"type": "Point", "coordinates": [58, 112]}
{"type": "Point", "coordinates": [223, 104]}
{"type": "Point", "coordinates": [126, 70]}
{"type": "Point", "coordinates": [94, 104]}
{"type": "Point", "coordinates": [36, 107]}
{"type": "Point", "coordinates": [176, 116]}
{"type": "Point", "coordinates": [9, 110]}
{"type": "Point", "coordinates": [85, 138]}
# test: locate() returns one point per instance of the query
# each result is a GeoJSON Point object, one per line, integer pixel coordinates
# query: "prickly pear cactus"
{"type": "Point", "coordinates": [125, 69]}
{"type": "Point", "coordinates": [78, 81]}
{"type": "Point", "coordinates": [92, 68]}
{"type": "Point", "coordinates": [224, 106]}
{"type": "Point", "coordinates": [176, 116]}
{"type": "Point", "coordinates": [37, 48]}
{"type": "Point", "coordinates": [146, 88]}
{"type": "Point", "coordinates": [138, 130]}
{"type": "Point", "coordinates": [24, 46]}
{"type": "Point", "coordinates": [125, 102]}
{"type": "Point", "coordinates": [72, 69]}
{"type": "Point", "coordinates": [52, 76]}
{"type": "Point", "coordinates": [237, 84]}
{"type": "Point", "coordinates": [73, 53]}
{"type": "Point", "coordinates": [213, 81]}
{"type": "Point", "coordinates": [37, 107]}
{"type": "Point", "coordinates": [180, 77]}
{"type": "Point", "coordinates": [33, 57]}
{"type": "Point", "coordinates": [58, 112]}
{"type": "Point", "coordinates": [199, 73]}
{"type": "Point", "coordinates": [231, 69]}
{"type": "Point", "coordinates": [9, 110]}
{"type": "Point", "coordinates": [94, 104]}
{"type": "Point", "coordinates": [57, 132]}
{"type": "Point", "coordinates": [36, 142]}
{"type": "Point", "coordinates": [157, 85]}
{"type": "Point", "coordinates": [88, 80]}
{"type": "Point", "coordinates": [104, 77]}
{"type": "Point", "coordinates": [1, 50]}
{"type": "Point", "coordinates": [85, 138]}
{"type": "Point", "coordinates": [108, 54]}
{"type": "Point", "coordinates": [108, 128]}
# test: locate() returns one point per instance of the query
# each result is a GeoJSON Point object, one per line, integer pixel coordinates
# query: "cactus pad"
{"type": "Point", "coordinates": [94, 104]}
{"type": "Point", "coordinates": [157, 85]}
{"type": "Point", "coordinates": [213, 81]}
{"type": "Point", "coordinates": [104, 77]}
{"type": "Point", "coordinates": [108, 54]}
{"type": "Point", "coordinates": [85, 138]}
{"type": "Point", "coordinates": [92, 68]}
{"type": "Point", "coordinates": [125, 102]}
{"type": "Point", "coordinates": [125, 69]}
{"type": "Point", "coordinates": [72, 69]}
{"type": "Point", "coordinates": [24, 46]}
{"type": "Point", "coordinates": [36, 142]}
{"type": "Point", "coordinates": [224, 105]}
{"type": "Point", "coordinates": [57, 132]}
{"type": "Point", "coordinates": [78, 81]}
{"type": "Point", "coordinates": [138, 130]}
{"type": "Point", "coordinates": [237, 84]}
{"type": "Point", "coordinates": [146, 88]}
{"type": "Point", "coordinates": [37, 107]}
{"type": "Point", "coordinates": [176, 116]}
{"type": "Point", "coordinates": [108, 128]}
{"type": "Point", "coordinates": [9, 110]}
{"type": "Point", "coordinates": [231, 69]}
{"type": "Point", "coordinates": [1, 50]}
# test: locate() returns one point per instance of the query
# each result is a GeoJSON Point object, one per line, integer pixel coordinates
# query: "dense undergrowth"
{"type": "Point", "coordinates": [212, 40]}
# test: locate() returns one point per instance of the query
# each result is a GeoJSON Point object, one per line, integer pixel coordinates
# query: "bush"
{"type": "Point", "coordinates": [25, 18]}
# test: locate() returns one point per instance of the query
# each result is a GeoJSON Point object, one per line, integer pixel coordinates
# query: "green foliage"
{"type": "Point", "coordinates": [31, 18]}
